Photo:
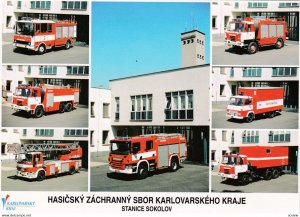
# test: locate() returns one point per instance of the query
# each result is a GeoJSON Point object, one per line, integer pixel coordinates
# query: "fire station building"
{"type": "Point", "coordinates": [171, 101]}
{"type": "Point", "coordinates": [226, 141]}
{"type": "Point", "coordinates": [43, 136]}
{"type": "Point", "coordinates": [224, 11]}
{"type": "Point", "coordinates": [226, 81]}
{"type": "Point", "coordinates": [75, 76]}
{"type": "Point", "coordinates": [49, 10]}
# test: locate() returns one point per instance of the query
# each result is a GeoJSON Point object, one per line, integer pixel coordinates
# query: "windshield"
{"type": "Point", "coordinates": [24, 28]}
{"type": "Point", "coordinates": [229, 160]}
{"type": "Point", "coordinates": [120, 147]}
{"type": "Point", "coordinates": [25, 92]}
{"type": "Point", "coordinates": [24, 158]}
{"type": "Point", "coordinates": [235, 27]}
{"type": "Point", "coordinates": [239, 101]}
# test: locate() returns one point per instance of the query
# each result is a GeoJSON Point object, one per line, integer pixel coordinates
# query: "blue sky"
{"type": "Point", "coordinates": [135, 38]}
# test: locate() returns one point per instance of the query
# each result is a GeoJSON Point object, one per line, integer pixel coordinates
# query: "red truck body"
{"type": "Point", "coordinates": [252, 101]}
{"type": "Point", "coordinates": [252, 33]}
{"type": "Point", "coordinates": [254, 162]}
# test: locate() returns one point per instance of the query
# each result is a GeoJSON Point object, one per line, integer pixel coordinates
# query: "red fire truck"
{"type": "Point", "coordinates": [38, 161]}
{"type": "Point", "coordinates": [45, 98]}
{"type": "Point", "coordinates": [144, 153]}
{"type": "Point", "coordinates": [254, 162]}
{"type": "Point", "coordinates": [252, 101]}
{"type": "Point", "coordinates": [40, 35]}
{"type": "Point", "coordinates": [253, 33]}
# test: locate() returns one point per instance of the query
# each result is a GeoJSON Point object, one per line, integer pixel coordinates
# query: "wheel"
{"type": "Point", "coordinates": [72, 170]}
{"type": "Point", "coordinates": [41, 176]}
{"type": "Point", "coordinates": [268, 175]}
{"type": "Point", "coordinates": [41, 49]}
{"type": "Point", "coordinates": [252, 48]}
{"type": "Point", "coordinates": [174, 164]}
{"type": "Point", "coordinates": [68, 45]}
{"type": "Point", "coordinates": [271, 114]}
{"type": "Point", "coordinates": [275, 174]}
{"type": "Point", "coordinates": [142, 172]}
{"type": "Point", "coordinates": [250, 117]}
{"type": "Point", "coordinates": [62, 107]}
{"type": "Point", "coordinates": [68, 107]}
{"type": "Point", "coordinates": [279, 43]}
{"type": "Point", "coordinates": [245, 179]}
{"type": "Point", "coordinates": [39, 112]}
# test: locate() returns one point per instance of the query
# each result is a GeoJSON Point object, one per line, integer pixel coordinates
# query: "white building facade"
{"type": "Point", "coordinates": [224, 11]}
{"type": "Point", "coordinates": [227, 80]}
{"type": "Point", "coordinates": [43, 136]}
{"type": "Point", "coordinates": [50, 10]}
{"type": "Point", "coordinates": [75, 76]}
{"type": "Point", "coordinates": [226, 141]}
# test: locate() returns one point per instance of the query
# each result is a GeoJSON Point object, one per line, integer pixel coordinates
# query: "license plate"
{"type": "Point", "coordinates": [21, 45]}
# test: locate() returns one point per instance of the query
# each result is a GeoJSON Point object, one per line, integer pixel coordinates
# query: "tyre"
{"type": "Point", "coordinates": [68, 45]}
{"type": "Point", "coordinates": [250, 117]}
{"type": "Point", "coordinates": [62, 107]}
{"type": "Point", "coordinates": [142, 172]}
{"type": "Point", "coordinates": [245, 179]}
{"type": "Point", "coordinates": [279, 43]}
{"type": "Point", "coordinates": [268, 175]}
{"type": "Point", "coordinates": [41, 176]}
{"type": "Point", "coordinates": [72, 170]}
{"type": "Point", "coordinates": [39, 112]}
{"type": "Point", "coordinates": [275, 174]}
{"type": "Point", "coordinates": [174, 165]}
{"type": "Point", "coordinates": [68, 107]}
{"type": "Point", "coordinates": [271, 114]}
{"type": "Point", "coordinates": [41, 49]}
{"type": "Point", "coordinates": [252, 48]}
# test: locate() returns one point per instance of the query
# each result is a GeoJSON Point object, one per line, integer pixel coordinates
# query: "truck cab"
{"type": "Point", "coordinates": [28, 164]}
{"type": "Point", "coordinates": [239, 33]}
{"type": "Point", "coordinates": [239, 107]}
{"type": "Point", "coordinates": [232, 165]}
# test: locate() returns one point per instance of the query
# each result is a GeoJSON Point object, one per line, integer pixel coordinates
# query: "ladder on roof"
{"type": "Point", "coordinates": [164, 135]}
{"type": "Point", "coordinates": [17, 148]}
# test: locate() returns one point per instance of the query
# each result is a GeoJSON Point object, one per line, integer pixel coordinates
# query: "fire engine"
{"type": "Point", "coordinates": [252, 101]}
{"type": "Point", "coordinates": [38, 161]}
{"type": "Point", "coordinates": [254, 162]}
{"type": "Point", "coordinates": [253, 33]}
{"type": "Point", "coordinates": [40, 35]}
{"type": "Point", "coordinates": [45, 98]}
{"type": "Point", "coordinates": [141, 154]}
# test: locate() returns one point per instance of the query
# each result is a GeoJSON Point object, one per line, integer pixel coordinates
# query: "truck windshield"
{"type": "Point", "coordinates": [25, 92]}
{"type": "Point", "coordinates": [229, 160]}
{"type": "Point", "coordinates": [240, 102]}
{"type": "Point", "coordinates": [23, 28]}
{"type": "Point", "coordinates": [24, 158]}
{"type": "Point", "coordinates": [120, 148]}
{"type": "Point", "coordinates": [235, 27]}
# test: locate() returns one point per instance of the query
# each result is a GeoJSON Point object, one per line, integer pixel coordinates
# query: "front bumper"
{"type": "Point", "coordinates": [125, 171]}
{"type": "Point", "coordinates": [20, 108]}
{"type": "Point", "coordinates": [233, 115]}
{"type": "Point", "coordinates": [234, 43]}
{"type": "Point", "coordinates": [26, 175]}
{"type": "Point", "coordinates": [26, 46]}
{"type": "Point", "coordinates": [228, 176]}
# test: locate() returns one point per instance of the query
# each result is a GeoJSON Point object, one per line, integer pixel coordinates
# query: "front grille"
{"type": "Point", "coordinates": [117, 165]}
{"type": "Point", "coordinates": [22, 42]}
{"type": "Point", "coordinates": [19, 103]}
{"type": "Point", "coordinates": [226, 171]}
{"type": "Point", "coordinates": [232, 38]}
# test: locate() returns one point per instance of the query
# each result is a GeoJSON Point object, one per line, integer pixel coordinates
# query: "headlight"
{"type": "Point", "coordinates": [128, 167]}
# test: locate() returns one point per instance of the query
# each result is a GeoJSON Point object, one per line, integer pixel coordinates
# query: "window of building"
{"type": "Point", "coordinates": [9, 67]}
{"type": "Point", "coordinates": [257, 4]}
{"type": "Point", "coordinates": [24, 132]}
{"type": "Point", "coordinates": [141, 107]}
{"type": "Point", "coordinates": [77, 70]}
{"type": "Point", "coordinates": [232, 137]}
{"type": "Point", "coordinates": [288, 4]}
{"type": "Point", "coordinates": [76, 132]}
{"type": "Point", "coordinates": [19, 4]}
{"type": "Point", "coordinates": [213, 135]}
{"type": "Point", "coordinates": [232, 72]}
{"type": "Point", "coordinates": [74, 5]}
{"type": "Point", "coordinates": [213, 155]}
{"type": "Point", "coordinates": [179, 105]}
{"type": "Point", "coordinates": [92, 109]}
{"type": "Point", "coordinates": [214, 22]}
{"type": "Point", "coordinates": [279, 136]}
{"type": "Point", "coordinates": [222, 90]}
{"type": "Point", "coordinates": [40, 5]}
{"type": "Point", "coordinates": [9, 3]}
{"type": "Point", "coordinates": [105, 110]}
{"type": "Point", "coordinates": [250, 136]}
{"type": "Point", "coordinates": [252, 72]}
{"type": "Point", "coordinates": [117, 112]}
{"type": "Point", "coordinates": [48, 70]}
{"type": "Point", "coordinates": [284, 72]}
{"type": "Point", "coordinates": [224, 133]}
{"type": "Point", "coordinates": [44, 132]}
{"type": "Point", "coordinates": [236, 4]}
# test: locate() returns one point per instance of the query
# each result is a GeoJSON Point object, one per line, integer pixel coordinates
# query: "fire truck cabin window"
{"type": "Point", "coordinates": [44, 27]}
{"type": "Point", "coordinates": [25, 92]}
{"type": "Point", "coordinates": [120, 147]}
{"type": "Point", "coordinates": [136, 146]}
{"type": "Point", "coordinates": [149, 145]}
{"type": "Point", "coordinates": [49, 27]}
{"type": "Point", "coordinates": [229, 160]}
{"type": "Point", "coordinates": [23, 28]}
